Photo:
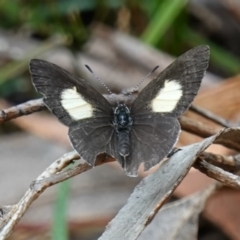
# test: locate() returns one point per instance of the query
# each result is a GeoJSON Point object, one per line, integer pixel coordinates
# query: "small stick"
{"type": "Point", "coordinates": [211, 116]}
{"type": "Point", "coordinates": [217, 173]}
{"type": "Point", "coordinates": [21, 110]}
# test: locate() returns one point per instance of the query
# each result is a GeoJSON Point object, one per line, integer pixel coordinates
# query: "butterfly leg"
{"type": "Point", "coordinates": [174, 150]}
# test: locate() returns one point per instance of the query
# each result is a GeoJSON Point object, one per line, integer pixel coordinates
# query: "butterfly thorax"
{"type": "Point", "coordinates": [123, 123]}
{"type": "Point", "coordinates": [122, 119]}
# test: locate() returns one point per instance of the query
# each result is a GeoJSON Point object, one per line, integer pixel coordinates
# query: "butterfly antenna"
{"type": "Point", "coordinates": [109, 91]}
{"type": "Point", "coordinates": [137, 86]}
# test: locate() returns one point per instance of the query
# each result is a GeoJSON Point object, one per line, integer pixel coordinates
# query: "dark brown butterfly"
{"type": "Point", "coordinates": [144, 132]}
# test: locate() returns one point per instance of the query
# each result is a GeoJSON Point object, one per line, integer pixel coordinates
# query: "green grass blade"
{"type": "Point", "coordinates": [60, 224]}
{"type": "Point", "coordinates": [165, 14]}
{"type": "Point", "coordinates": [219, 56]}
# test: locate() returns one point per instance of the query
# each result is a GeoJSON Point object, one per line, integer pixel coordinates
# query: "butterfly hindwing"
{"type": "Point", "coordinates": [174, 89]}
{"type": "Point", "coordinates": [93, 136]}
{"type": "Point", "coordinates": [68, 97]}
{"type": "Point", "coordinates": [152, 138]}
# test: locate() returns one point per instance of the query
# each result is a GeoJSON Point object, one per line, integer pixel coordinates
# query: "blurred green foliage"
{"type": "Point", "coordinates": [162, 19]}
{"type": "Point", "coordinates": [161, 23]}
{"type": "Point", "coordinates": [56, 16]}
{"type": "Point", "coordinates": [60, 224]}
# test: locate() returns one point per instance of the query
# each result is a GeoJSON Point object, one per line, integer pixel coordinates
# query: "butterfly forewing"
{"type": "Point", "coordinates": [69, 98]}
{"type": "Point", "coordinates": [174, 89]}
{"type": "Point", "coordinates": [79, 106]}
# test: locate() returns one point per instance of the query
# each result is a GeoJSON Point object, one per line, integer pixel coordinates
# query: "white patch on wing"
{"type": "Point", "coordinates": [168, 97]}
{"type": "Point", "coordinates": [75, 105]}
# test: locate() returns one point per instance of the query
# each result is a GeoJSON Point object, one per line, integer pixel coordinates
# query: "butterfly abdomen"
{"type": "Point", "coordinates": [123, 124]}
{"type": "Point", "coordinates": [124, 143]}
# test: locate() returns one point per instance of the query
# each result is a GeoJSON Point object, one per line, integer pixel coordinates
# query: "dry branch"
{"type": "Point", "coordinates": [229, 163]}
{"type": "Point", "coordinates": [187, 124]}
{"type": "Point", "coordinates": [21, 110]}
{"type": "Point", "coordinates": [211, 116]}
{"type": "Point", "coordinates": [51, 176]}
{"type": "Point", "coordinates": [195, 127]}
{"type": "Point", "coordinates": [219, 174]}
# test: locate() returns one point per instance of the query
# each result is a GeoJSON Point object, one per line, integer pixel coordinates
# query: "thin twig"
{"type": "Point", "coordinates": [21, 110]}
{"type": "Point", "coordinates": [187, 124]}
{"type": "Point", "coordinates": [229, 163]}
{"type": "Point", "coordinates": [197, 128]}
{"type": "Point", "coordinates": [48, 178]}
{"type": "Point", "coordinates": [217, 173]}
{"type": "Point", "coordinates": [59, 165]}
{"type": "Point", "coordinates": [211, 116]}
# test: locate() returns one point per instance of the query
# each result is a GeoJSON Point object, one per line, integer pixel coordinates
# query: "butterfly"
{"type": "Point", "coordinates": [144, 132]}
